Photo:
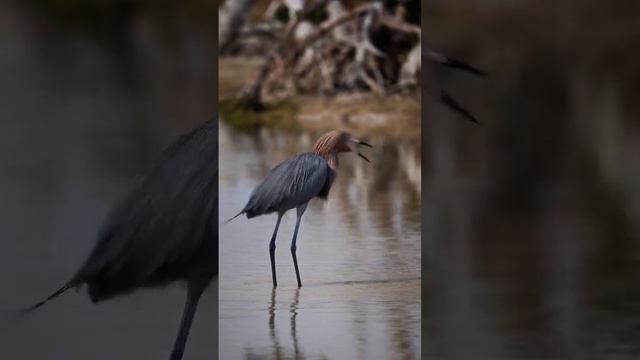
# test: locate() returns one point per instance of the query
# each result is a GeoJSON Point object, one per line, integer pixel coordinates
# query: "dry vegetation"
{"type": "Point", "coordinates": [330, 64]}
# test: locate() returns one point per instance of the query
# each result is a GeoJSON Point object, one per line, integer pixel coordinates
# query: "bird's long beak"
{"type": "Point", "coordinates": [363, 144]}
{"type": "Point", "coordinates": [448, 100]}
{"type": "Point", "coordinates": [433, 56]}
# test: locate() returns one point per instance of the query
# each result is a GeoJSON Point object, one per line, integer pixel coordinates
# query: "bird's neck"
{"type": "Point", "coordinates": [332, 161]}
{"type": "Point", "coordinates": [331, 158]}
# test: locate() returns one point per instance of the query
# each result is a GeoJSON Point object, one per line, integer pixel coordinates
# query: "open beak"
{"type": "Point", "coordinates": [358, 142]}
{"type": "Point", "coordinates": [364, 157]}
{"type": "Point", "coordinates": [448, 100]}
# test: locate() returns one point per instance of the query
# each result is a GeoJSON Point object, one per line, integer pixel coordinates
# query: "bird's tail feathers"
{"type": "Point", "coordinates": [235, 216]}
{"type": "Point", "coordinates": [57, 293]}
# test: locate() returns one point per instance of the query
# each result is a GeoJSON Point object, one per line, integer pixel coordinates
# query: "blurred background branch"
{"type": "Point", "coordinates": [328, 47]}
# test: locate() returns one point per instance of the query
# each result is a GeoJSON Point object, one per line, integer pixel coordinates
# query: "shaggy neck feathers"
{"type": "Point", "coordinates": [328, 146]}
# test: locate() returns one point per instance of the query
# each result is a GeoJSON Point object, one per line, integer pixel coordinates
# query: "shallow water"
{"type": "Point", "coordinates": [359, 257]}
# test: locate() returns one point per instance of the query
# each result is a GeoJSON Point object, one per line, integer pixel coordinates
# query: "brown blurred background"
{"type": "Point", "coordinates": [531, 233]}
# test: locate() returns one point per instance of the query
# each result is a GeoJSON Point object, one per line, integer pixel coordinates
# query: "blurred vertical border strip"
{"type": "Point", "coordinates": [216, 54]}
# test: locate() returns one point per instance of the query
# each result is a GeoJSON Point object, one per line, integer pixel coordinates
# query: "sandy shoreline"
{"type": "Point", "coordinates": [395, 115]}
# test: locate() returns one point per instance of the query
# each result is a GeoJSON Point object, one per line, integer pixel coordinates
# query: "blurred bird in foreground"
{"type": "Point", "coordinates": [430, 56]}
{"type": "Point", "coordinates": [294, 182]}
{"type": "Point", "coordinates": [164, 230]}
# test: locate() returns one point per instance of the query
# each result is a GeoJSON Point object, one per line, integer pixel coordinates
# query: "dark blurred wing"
{"type": "Point", "coordinates": [165, 229]}
{"type": "Point", "coordinates": [288, 185]}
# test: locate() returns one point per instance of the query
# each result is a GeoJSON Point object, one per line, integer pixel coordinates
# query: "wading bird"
{"type": "Point", "coordinates": [294, 182]}
{"type": "Point", "coordinates": [434, 90]}
{"type": "Point", "coordinates": [164, 230]}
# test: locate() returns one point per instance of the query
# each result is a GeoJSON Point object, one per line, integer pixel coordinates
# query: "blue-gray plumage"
{"type": "Point", "coordinates": [294, 182]}
{"type": "Point", "coordinates": [290, 184]}
{"type": "Point", "coordinates": [164, 230]}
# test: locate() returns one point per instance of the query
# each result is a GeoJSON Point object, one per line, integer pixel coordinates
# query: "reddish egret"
{"type": "Point", "coordinates": [164, 230]}
{"type": "Point", "coordinates": [434, 90]}
{"type": "Point", "coordinates": [294, 182]}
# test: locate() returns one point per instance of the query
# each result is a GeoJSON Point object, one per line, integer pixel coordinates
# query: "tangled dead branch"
{"type": "Point", "coordinates": [366, 48]}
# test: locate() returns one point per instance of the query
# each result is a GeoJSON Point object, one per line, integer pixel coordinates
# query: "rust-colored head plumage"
{"type": "Point", "coordinates": [330, 144]}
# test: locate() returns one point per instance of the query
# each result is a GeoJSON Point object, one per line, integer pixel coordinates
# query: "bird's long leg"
{"type": "Point", "coordinates": [195, 289]}
{"type": "Point", "coordinates": [301, 210]}
{"type": "Point", "coordinates": [272, 251]}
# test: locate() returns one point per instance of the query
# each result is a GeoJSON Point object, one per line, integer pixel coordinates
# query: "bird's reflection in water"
{"type": "Point", "coordinates": [272, 325]}
{"type": "Point", "coordinates": [277, 351]}
{"type": "Point", "coordinates": [294, 314]}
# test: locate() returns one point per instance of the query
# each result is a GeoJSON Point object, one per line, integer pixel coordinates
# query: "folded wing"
{"type": "Point", "coordinates": [291, 183]}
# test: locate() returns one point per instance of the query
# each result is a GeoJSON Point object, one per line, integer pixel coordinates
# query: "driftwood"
{"type": "Point", "coordinates": [336, 55]}
{"type": "Point", "coordinates": [231, 19]}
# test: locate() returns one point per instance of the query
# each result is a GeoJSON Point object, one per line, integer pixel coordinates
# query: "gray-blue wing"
{"type": "Point", "coordinates": [290, 184]}
{"type": "Point", "coordinates": [165, 228]}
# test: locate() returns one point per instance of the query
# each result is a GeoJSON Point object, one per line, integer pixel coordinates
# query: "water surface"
{"type": "Point", "coordinates": [359, 256]}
